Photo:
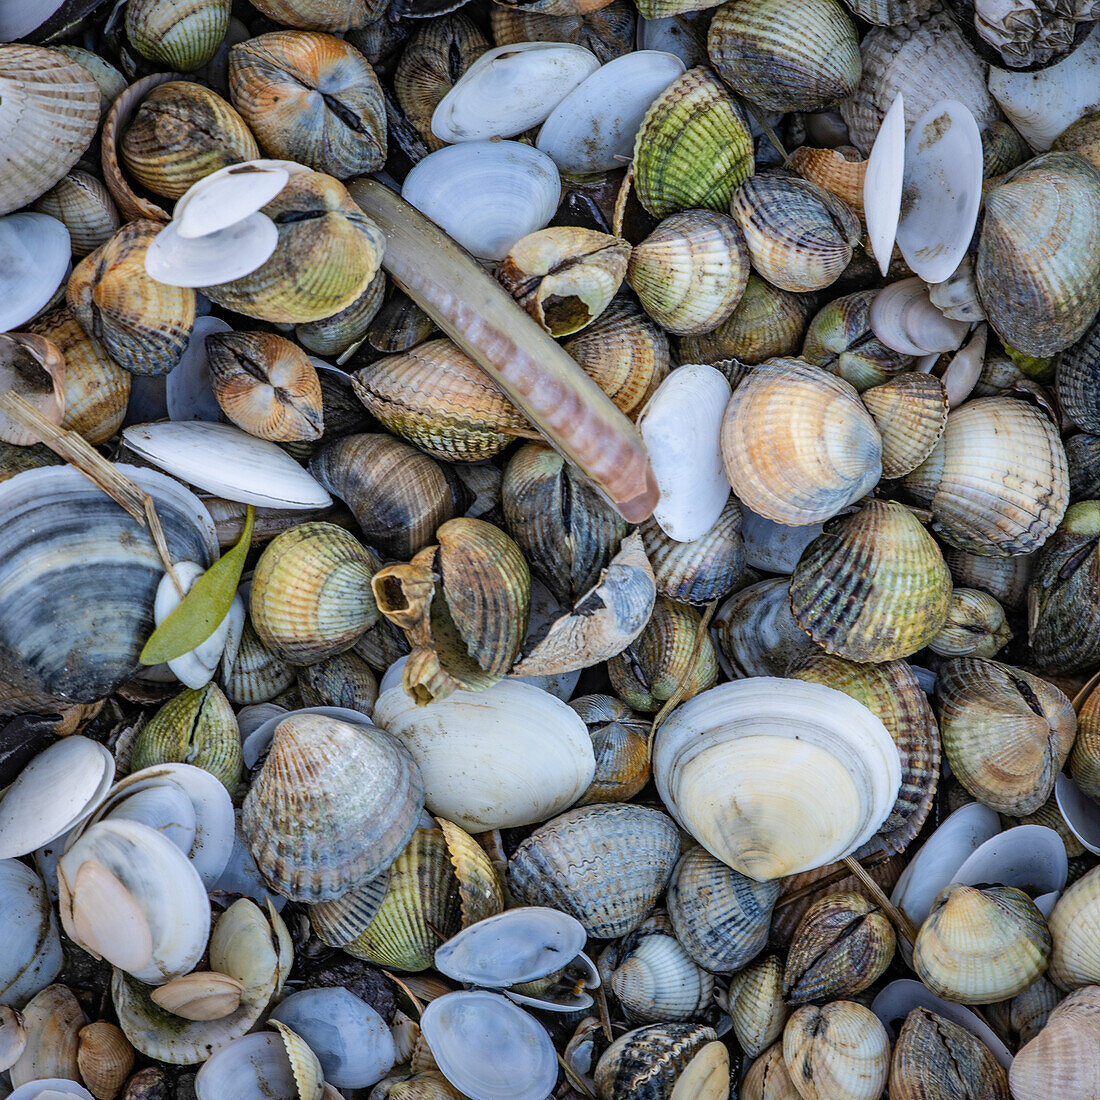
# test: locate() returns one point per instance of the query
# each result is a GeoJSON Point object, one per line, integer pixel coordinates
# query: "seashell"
{"type": "Point", "coordinates": [756, 634]}
{"type": "Point", "coordinates": [624, 352]}
{"type": "Point", "coordinates": [263, 1066]}
{"type": "Point", "coordinates": [1077, 381]}
{"type": "Point", "coordinates": [144, 325]}
{"type": "Point", "coordinates": [438, 398]}
{"type": "Point", "coordinates": [34, 369]}
{"type": "Point", "coordinates": [976, 626]}
{"type": "Point", "coordinates": [510, 89]}
{"type": "Point", "coordinates": [910, 412]}
{"type": "Point", "coordinates": [984, 499]}
{"type": "Point", "coordinates": [756, 1006]}
{"type": "Point", "coordinates": [816, 738]}
{"type": "Point", "coordinates": [351, 1041]}
{"type": "Point", "coordinates": [779, 433]}
{"type": "Point", "coordinates": [705, 569]}
{"type": "Point", "coordinates": [180, 133]}
{"type": "Point", "coordinates": [934, 1057]}
{"type": "Point", "coordinates": [181, 36]}
{"type": "Point", "coordinates": [926, 62]}
{"type": "Point", "coordinates": [833, 171]}
{"type": "Point", "coordinates": [1005, 579]}
{"type": "Point", "coordinates": [873, 586]}
{"type": "Point", "coordinates": [647, 1063]}
{"type": "Point", "coordinates": [50, 114]}
{"type": "Point", "coordinates": [784, 56]}
{"type": "Point", "coordinates": [327, 253]}
{"type": "Point", "coordinates": [346, 329]}
{"type": "Point", "coordinates": [466, 628]}
{"type": "Point", "coordinates": [564, 527]}
{"type": "Point", "coordinates": [112, 907]}
{"type": "Point", "coordinates": [1038, 253]}
{"type": "Point", "coordinates": [486, 195]}
{"type": "Point", "coordinates": [608, 31]}
{"type": "Point", "coordinates": [439, 52]}
{"type": "Point", "coordinates": [1060, 1057]}
{"type": "Point", "coordinates": [593, 128]}
{"type": "Point", "coordinates": [1074, 961]}
{"type": "Point", "coordinates": [199, 996]}
{"type": "Point", "coordinates": [197, 666]}
{"type": "Point", "coordinates": [799, 236]}
{"type": "Point", "coordinates": [981, 945]}
{"type": "Point", "coordinates": [54, 1088]}
{"type": "Point", "coordinates": [692, 148]}
{"type": "Point", "coordinates": [321, 15]}
{"type": "Point", "coordinates": [509, 755]}
{"type": "Point", "coordinates": [603, 864]}
{"type": "Point", "coordinates": [36, 249]}
{"type": "Point", "coordinates": [32, 955]}
{"type": "Point", "coordinates": [221, 459]}
{"type": "Point", "coordinates": [720, 916]}
{"type": "Point", "coordinates": [841, 340]}
{"type": "Point", "coordinates": [311, 593]}
{"type": "Point", "coordinates": [95, 388]}
{"type": "Point", "coordinates": [564, 277]}
{"type": "Point", "coordinates": [1006, 733]}
{"type": "Point", "coordinates": [488, 1047]}
{"type": "Point", "coordinates": [691, 271]}
{"type": "Point", "coordinates": [85, 207]}
{"type": "Point", "coordinates": [247, 945]}
{"type": "Point", "coordinates": [354, 785]}
{"type": "Point", "coordinates": [196, 727]}
{"type": "Point", "coordinates": [903, 318]}
{"type": "Point", "coordinates": [341, 681]}
{"type": "Point", "coordinates": [94, 589]}
{"type": "Point", "coordinates": [1080, 137]}
{"type": "Point", "coordinates": [620, 741]}
{"type": "Point", "coordinates": [431, 1085]}
{"type": "Point", "coordinates": [672, 655]}
{"type": "Point", "coordinates": [1084, 765]}
{"type": "Point", "coordinates": [1029, 1011]}
{"type": "Point", "coordinates": [839, 1050]}
{"type": "Point", "coordinates": [265, 385]}
{"type": "Point", "coordinates": [768, 1079]}
{"type": "Point", "coordinates": [841, 946]}
{"type": "Point", "coordinates": [766, 322]}
{"type": "Point", "coordinates": [109, 81]}
{"type": "Point", "coordinates": [13, 1036]}
{"type": "Point", "coordinates": [687, 464]}
{"type": "Point", "coordinates": [105, 1058]}
{"type": "Point", "coordinates": [310, 98]}
{"type": "Point", "coordinates": [52, 1019]}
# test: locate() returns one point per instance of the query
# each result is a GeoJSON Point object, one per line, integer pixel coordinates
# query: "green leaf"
{"type": "Point", "coordinates": [203, 607]}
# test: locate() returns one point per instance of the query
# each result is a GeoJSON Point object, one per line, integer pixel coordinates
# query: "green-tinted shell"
{"type": "Point", "coordinates": [786, 55]}
{"type": "Point", "coordinates": [180, 34]}
{"type": "Point", "coordinates": [935, 1059]}
{"type": "Point", "coordinates": [873, 586]}
{"type": "Point", "coordinates": [841, 946]}
{"type": "Point", "coordinates": [976, 626]}
{"type": "Point", "coordinates": [196, 727]}
{"type": "Point", "coordinates": [566, 529]}
{"type": "Point", "coordinates": [341, 681]}
{"type": "Point", "coordinates": [335, 334]}
{"type": "Point", "coordinates": [311, 593]}
{"type": "Point", "coordinates": [692, 148]}
{"type": "Point", "coordinates": [1006, 733]}
{"type": "Point", "coordinates": [652, 667]}
{"type": "Point", "coordinates": [981, 945]}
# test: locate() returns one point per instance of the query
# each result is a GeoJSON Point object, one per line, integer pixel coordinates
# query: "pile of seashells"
{"type": "Point", "coordinates": [549, 548]}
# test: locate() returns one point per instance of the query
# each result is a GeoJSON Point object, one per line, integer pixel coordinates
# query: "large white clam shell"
{"type": "Point", "coordinates": [129, 895]}
{"type": "Point", "coordinates": [254, 1067]}
{"type": "Point", "coordinates": [230, 195]}
{"type": "Point", "coordinates": [51, 1088]}
{"type": "Point", "coordinates": [214, 258]}
{"type": "Point", "coordinates": [30, 955]}
{"type": "Point", "coordinates": [488, 1048]}
{"type": "Point", "coordinates": [773, 779]}
{"type": "Point", "coordinates": [593, 128]}
{"type": "Point", "coordinates": [485, 194]}
{"type": "Point", "coordinates": [511, 755]}
{"type": "Point", "coordinates": [681, 424]}
{"type": "Point", "coordinates": [509, 89]}
{"type": "Point", "coordinates": [883, 181]}
{"type": "Point", "coordinates": [223, 460]}
{"type": "Point", "coordinates": [942, 190]}
{"type": "Point", "coordinates": [54, 792]}
{"type": "Point", "coordinates": [34, 257]}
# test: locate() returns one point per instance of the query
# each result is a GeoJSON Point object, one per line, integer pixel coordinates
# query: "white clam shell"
{"type": "Point", "coordinates": [941, 855]}
{"type": "Point", "coordinates": [681, 424]}
{"type": "Point", "coordinates": [214, 258]}
{"type": "Point", "coordinates": [485, 194]}
{"type": "Point", "coordinates": [1030, 857]}
{"type": "Point", "coordinates": [593, 128]}
{"type": "Point", "coordinates": [1042, 104]}
{"type": "Point", "coordinates": [167, 810]}
{"type": "Point", "coordinates": [510, 755]}
{"type": "Point", "coordinates": [130, 895]}
{"type": "Point", "coordinates": [187, 388]}
{"type": "Point", "coordinates": [545, 611]}
{"type": "Point", "coordinates": [227, 462]}
{"type": "Point", "coordinates": [34, 258]}
{"type": "Point", "coordinates": [229, 195]}
{"type": "Point", "coordinates": [30, 957]}
{"type": "Point", "coordinates": [20, 17]}
{"type": "Point", "coordinates": [903, 318]}
{"type": "Point", "coordinates": [669, 34]}
{"type": "Point", "coordinates": [1081, 814]}
{"type": "Point", "coordinates": [942, 190]}
{"type": "Point", "coordinates": [883, 181]}
{"type": "Point", "coordinates": [509, 89]}
{"type": "Point", "coordinates": [51, 1088]}
{"type": "Point", "coordinates": [773, 779]}
{"type": "Point", "coordinates": [254, 1067]}
{"type": "Point", "coordinates": [488, 1048]}
{"type": "Point", "coordinates": [195, 667]}
{"type": "Point", "coordinates": [58, 789]}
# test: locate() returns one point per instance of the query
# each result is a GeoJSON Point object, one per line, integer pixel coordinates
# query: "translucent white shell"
{"type": "Point", "coordinates": [882, 183]}
{"type": "Point", "coordinates": [34, 256]}
{"type": "Point", "coordinates": [30, 957]}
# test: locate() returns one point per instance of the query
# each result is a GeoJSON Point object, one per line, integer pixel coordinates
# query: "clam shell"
{"type": "Point", "coordinates": [608, 31]}
{"type": "Point", "coordinates": [32, 955]}
{"type": "Point", "coordinates": [903, 318]}
{"type": "Point", "coordinates": [105, 1058]}
{"type": "Point", "coordinates": [1061, 1056]}
{"type": "Point", "coordinates": [839, 1050]}
{"type": "Point", "coordinates": [200, 996]}
{"type": "Point", "coordinates": [768, 1079]}
{"type": "Point", "coordinates": [774, 547]}
{"type": "Point", "coordinates": [213, 258]}
{"type": "Point", "coordinates": [53, 1019]}
{"type": "Point", "coordinates": [354, 785]}
{"type": "Point", "coordinates": [883, 182]}
{"type": "Point", "coordinates": [1074, 961]}
{"type": "Point", "coordinates": [49, 117]}
{"type": "Point", "coordinates": [321, 15]}
{"type": "Point", "coordinates": [36, 250]}
{"type": "Point", "coordinates": [259, 1067]}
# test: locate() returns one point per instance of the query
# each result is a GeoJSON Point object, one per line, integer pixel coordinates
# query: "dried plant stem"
{"type": "Point", "coordinates": [900, 919]}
